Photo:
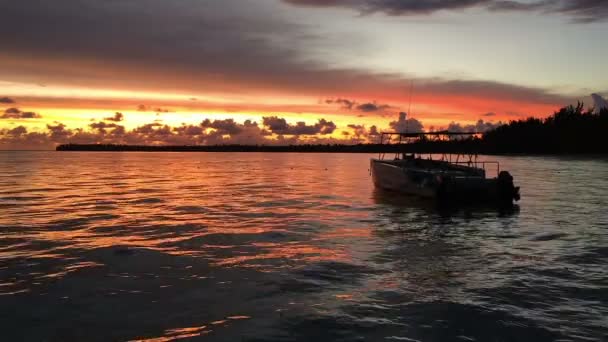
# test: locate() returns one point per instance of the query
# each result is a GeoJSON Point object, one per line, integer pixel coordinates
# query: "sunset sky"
{"type": "Point", "coordinates": [287, 71]}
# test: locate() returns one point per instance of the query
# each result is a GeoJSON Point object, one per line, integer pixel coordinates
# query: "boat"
{"type": "Point", "coordinates": [444, 177]}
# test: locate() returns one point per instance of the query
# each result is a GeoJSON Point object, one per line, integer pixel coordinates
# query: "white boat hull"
{"type": "Point", "coordinates": [454, 184]}
{"type": "Point", "coordinates": [394, 178]}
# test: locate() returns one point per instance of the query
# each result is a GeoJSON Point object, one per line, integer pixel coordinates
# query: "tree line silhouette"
{"type": "Point", "coordinates": [571, 130]}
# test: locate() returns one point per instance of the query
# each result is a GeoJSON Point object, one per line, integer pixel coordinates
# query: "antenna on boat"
{"type": "Point", "coordinates": [409, 107]}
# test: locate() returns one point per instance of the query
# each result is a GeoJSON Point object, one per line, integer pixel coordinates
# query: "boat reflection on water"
{"type": "Point", "coordinates": [421, 280]}
{"type": "Point", "coordinates": [430, 206]}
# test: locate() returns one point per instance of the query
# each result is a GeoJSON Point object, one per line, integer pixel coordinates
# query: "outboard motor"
{"type": "Point", "coordinates": [507, 192]}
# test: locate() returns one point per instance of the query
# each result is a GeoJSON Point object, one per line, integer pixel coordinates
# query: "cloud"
{"type": "Point", "coordinates": [582, 11]}
{"type": "Point", "coordinates": [479, 127]}
{"type": "Point", "coordinates": [189, 130]}
{"type": "Point", "coordinates": [393, 7]}
{"type": "Point", "coordinates": [208, 132]}
{"type": "Point", "coordinates": [273, 131]}
{"type": "Point", "coordinates": [12, 110]}
{"type": "Point", "coordinates": [359, 131]}
{"type": "Point", "coordinates": [227, 126]}
{"type": "Point", "coordinates": [372, 107]}
{"type": "Point", "coordinates": [30, 115]}
{"type": "Point", "coordinates": [361, 134]}
{"type": "Point", "coordinates": [102, 126]}
{"type": "Point", "coordinates": [17, 131]}
{"type": "Point", "coordinates": [118, 117]}
{"type": "Point", "coordinates": [6, 100]}
{"type": "Point", "coordinates": [363, 107]}
{"type": "Point", "coordinates": [170, 57]}
{"type": "Point", "coordinates": [489, 114]}
{"type": "Point", "coordinates": [373, 131]}
{"type": "Point", "coordinates": [144, 108]}
{"type": "Point", "coordinates": [280, 126]}
{"type": "Point", "coordinates": [345, 103]}
{"type": "Point", "coordinates": [16, 113]}
{"type": "Point", "coordinates": [154, 55]}
{"type": "Point", "coordinates": [578, 10]}
{"type": "Point", "coordinates": [404, 125]}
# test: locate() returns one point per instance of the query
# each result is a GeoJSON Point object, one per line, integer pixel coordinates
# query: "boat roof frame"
{"type": "Point", "coordinates": [437, 133]}
{"type": "Point", "coordinates": [408, 137]}
{"type": "Point", "coordinates": [472, 157]}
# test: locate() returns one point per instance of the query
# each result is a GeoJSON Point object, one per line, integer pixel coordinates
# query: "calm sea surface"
{"type": "Point", "coordinates": [292, 247]}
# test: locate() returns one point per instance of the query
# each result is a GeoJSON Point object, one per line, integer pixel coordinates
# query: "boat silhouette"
{"type": "Point", "coordinates": [447, 178]}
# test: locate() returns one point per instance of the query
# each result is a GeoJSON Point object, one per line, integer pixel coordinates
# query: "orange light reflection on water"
{"type": "Point", "coordinates": [232, 210]}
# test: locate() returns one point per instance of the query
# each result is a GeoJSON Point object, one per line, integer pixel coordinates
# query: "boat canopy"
{"type": "Point", "coordinates": [437, 135]}
{"type": "Point", "coordinates": [454, 158]}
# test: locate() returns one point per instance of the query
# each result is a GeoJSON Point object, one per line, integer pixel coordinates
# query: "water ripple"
{"type": "Point", "coordinates": [289, 247]}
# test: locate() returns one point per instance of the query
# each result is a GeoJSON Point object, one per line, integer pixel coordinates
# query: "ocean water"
{"type": "Point", "coordinates": [293, 247]}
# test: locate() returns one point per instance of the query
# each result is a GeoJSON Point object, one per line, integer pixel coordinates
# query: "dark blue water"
{"type": "Point", "coordinates": [293, 247]}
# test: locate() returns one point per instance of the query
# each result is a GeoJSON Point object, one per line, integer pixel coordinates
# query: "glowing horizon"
{"type": "Point", "coordinates": [306, 62]}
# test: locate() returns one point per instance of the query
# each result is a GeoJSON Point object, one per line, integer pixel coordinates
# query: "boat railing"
{"type": "Point", "coordinates": [471, 162]}
{"type": "Point", "coordinates": [462, 159]}
{"type": "Point", "coordinates": [480, 165]}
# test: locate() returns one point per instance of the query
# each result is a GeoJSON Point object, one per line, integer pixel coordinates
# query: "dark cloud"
{"type": "Point", "coordinates": [16, 113]}
{"type": "Point", "coordinates": [12, 110]}
{"type": "Point", "coordinates": [582, 11]}
{"type": "Point", "coordinates": [278, 125]}
{"type": "Point", "coordinates": [206, 133]}
{"type": "Point", "coordinates": [144, 108]}
{"type": "Point", "coordinates": [227, 126]}
{"type": "Point", "coordinates": [373, 131]}
{"type": "Point", "coordinates": [488, 90]}
{"type": "Point", "coordinates": [189, 130]}
{"type": "Point", "coordinates": [405, 125]}
{"type": "Point", "coordinates": [118, 117]}
{"type": "Point", "coordinates": [361, 134]}
{"type": "Point", "coordinates": [394, 7]}
{"type": "Point", "coordinates": [479, 127]}
{"type": "Point", "coordinates": [489, 114]}
{"type": "Point", "coordinates": [242, 51]}
{"type": "Point", "coordinates": [6, 100]}
{"type": "Point", "coordinates": [363, 107]}
{"type": "Point", "coordinates": [149, 129]}
{"type": "Point", "coordinates": [30, 115]}
{"type": "Point", "coordinates": [578, 10]}
{"type": "Point", "coordinates": [372, 107]}
{"type": "Point", "coordinates": [358, 130]}
{"type": "Point", "coordinates": [58, 132]}
{"type": "Point", "coordinates": [17, 131]}
{"type": "Point", "coordinates": [83, 29]}
{"type": "Point", "coordinates": [344, 103]}
{"type": "Point", "coordinates": [102, 126]}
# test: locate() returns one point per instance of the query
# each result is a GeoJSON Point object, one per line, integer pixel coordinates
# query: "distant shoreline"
{"type": "Point", "coordinates": [570, 131]}
{"type": "Point", "coordinates": [359, 148]}
{"type": "Point", "coordinates": [474, 146]}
